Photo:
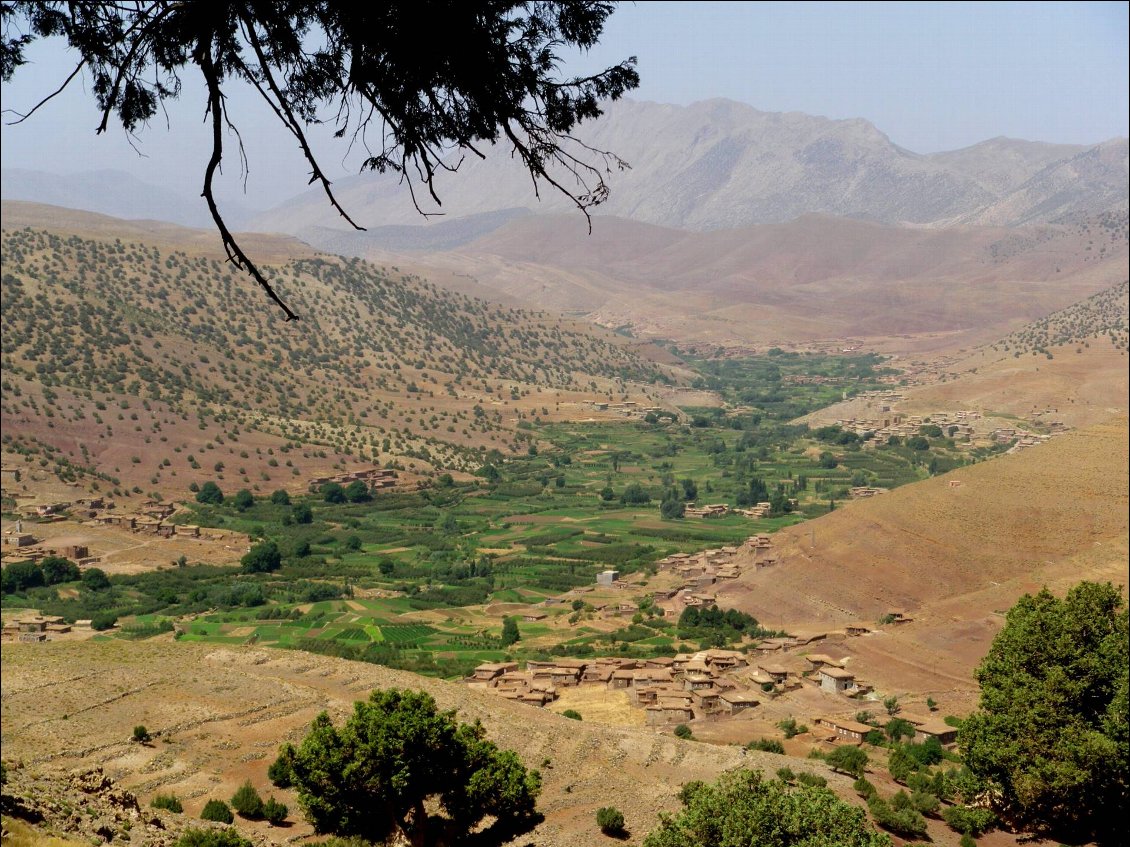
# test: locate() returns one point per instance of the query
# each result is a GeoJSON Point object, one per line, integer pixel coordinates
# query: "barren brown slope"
{"type": "Point", "coordinates": [952, 552]}
{"type": "Point", "coordinates": [814, 277]}
{"type": "Point", "coordinates": [219, 716]}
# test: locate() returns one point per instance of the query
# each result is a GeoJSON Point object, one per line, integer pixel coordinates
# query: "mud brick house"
{"type": "Point", "coordinates": [836, 680]}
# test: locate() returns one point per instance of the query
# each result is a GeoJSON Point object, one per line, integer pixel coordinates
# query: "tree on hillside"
{"type": "Point", "coordinates": [848, 759]}
{"type": "Point", "coordinates": [1051, 733]}
{"type": "Point", "coordinates": [210, 494]}
{"type": "Point", "coordinates": [262, 558]}
{"type": "Point", "coordinates": [427, 77]}
{"type": "Point", "coordinates": [743, 808]}
{"type": "Point", "coordinates": [397, 752]}
{"type": "Point", "coordinates": [510, 634]}
{"type": "Point", "coordinates": [358, 492]}
{"type": "Point", "coordinates": [57, 569]}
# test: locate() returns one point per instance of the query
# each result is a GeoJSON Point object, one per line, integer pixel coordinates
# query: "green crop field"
{"type": "Point", "coordinates": [584, 499]}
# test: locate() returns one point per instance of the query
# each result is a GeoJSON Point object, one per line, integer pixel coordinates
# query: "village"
{"type": "Point", "coordinates": [709, 685]}
{"type": "Point", "coordinates": [959, 425]}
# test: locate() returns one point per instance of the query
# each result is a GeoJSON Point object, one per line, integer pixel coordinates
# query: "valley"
{"type": "Point", "coordinates": [713, 487]}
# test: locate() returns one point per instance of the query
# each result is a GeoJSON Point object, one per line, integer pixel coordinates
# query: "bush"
{"type": "Point", "coordinates": [103, 621]}
{"type": "Point", "coordinates": [141, 734]}
{"type": "Point", "coordinates": [279, 772]}
{"type": "Point", "coordinates": [610, 820]}
{"type": "Point", "coordinates": [967, 840]}
{"type": "Point", "coordinates": [572, 714]}
{"type": "Point", "coordinates": [848, 759]}
{"type": "Point", "coordinates": [864, 788]}
{"type": "Point", "coordinates": [168, 802]}
{"type": "Point", "coordinates": [968, 820]}
{"type": "Point", "coordinates": [217, 810]}
{"type": "Point", "coordinates": [767, 745]}
{"type": "Point", "coordinates": [332, 493]}
{"type": "Point", "coordinates": [95, 579]}
{"type": "Point", "coordinates": [750, 809]}
{"type": "Point", "coordinates": [905, 821]}
{"type": "Point", "coordinates": [683, 731]}
{"type": "Point", "coordinates": [247, 801]}
{"type": "Point", "coordinates": [262, 558]}
{"type": "Point", "coordinates": [786, 774]}
{"type": "Point", "coordinates": [274, 811]}
{"type": "Point", "coordinates": [811, 780]}
{"type": "Point", "coordinates": [790, 727]}
{"type": "Point", "coordinates": [210, 494]}
{"type": "Point", "coordinates": [212, 838]}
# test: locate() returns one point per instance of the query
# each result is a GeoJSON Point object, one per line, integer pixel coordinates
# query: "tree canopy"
{"type": "Point", "coordinates": [372, 777]}
{"type": "Point", "coordinates": [1051, 732]}
{"type": "Point", "coordinates": [416, 83]}
{"type": "Point", "coordinates": [743, 809]}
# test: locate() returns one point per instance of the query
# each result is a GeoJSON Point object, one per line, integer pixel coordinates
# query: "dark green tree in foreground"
{"type": "Point", "coordinates": [743, 809]}
{"type": "Point", "coordinates": [373, 776]}
{"type": "Point", "coordinates": [1051, 736]}
{"type": "Point", "coordinates": [427, 76]}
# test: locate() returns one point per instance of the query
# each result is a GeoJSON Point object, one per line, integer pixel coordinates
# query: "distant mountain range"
{"type": "Point", "coordinates": [712, 165]}
{"type": "Point", "coordinates": [721, 164]}
{"type": "Point", "coordinates": [115, 193]}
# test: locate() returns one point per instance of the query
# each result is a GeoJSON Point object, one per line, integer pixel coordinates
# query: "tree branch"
{"type": "Point", "coordinates": [50, 96]}
{"type": "Point", "coordinates": [285, 114]}
{"type": "Point", "coordinates": [215, 107]}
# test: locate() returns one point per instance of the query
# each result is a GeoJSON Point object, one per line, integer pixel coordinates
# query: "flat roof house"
{"type": "Point", "coordinates": [836, 680]}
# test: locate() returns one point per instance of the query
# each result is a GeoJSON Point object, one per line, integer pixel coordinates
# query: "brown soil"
{"type": "Point", "coordinates": [218, 716]}
{"type": "Point", "coordinates": [953, 558]}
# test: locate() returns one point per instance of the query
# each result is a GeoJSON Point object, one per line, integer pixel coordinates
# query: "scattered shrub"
{"type": "Point", "coordinates": [572, 714]}
{"type": "Point", "coordinates": [969, 820]}
{"type": "Point", "coordinates": [683, 731]}
{"type": "Point", "coordinates": [212, 838]}
{"type": "Point", "coordinates": [767, 745]}
{"type": "Point", "coordinates": [141, 734]}
{"type": "Point", "coordinates": [247, 802]}
{"type": "Point", "coordinates": [811, 780]}
{"type": "Point", "coordinates": [864, 788]}
{"type": "Point", "coordinates": [168, 802]}
{"type": "Point", "coordinates": [217, 810]}
{"type": "Point", "coordinates": [279, 772]}
{"type": "Point", "coordinates": [274, 811]}
{"type": "Point", "coordinates": [610, 820]}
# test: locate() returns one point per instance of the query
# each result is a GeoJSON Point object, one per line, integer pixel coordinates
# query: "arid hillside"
{"type": "Point", "coordinates": [127, 343]}
{"type": "Point", "coordinates": [810, 279]}
{"type": "Point", "coordinates": [218, 716]}
{"type": "Point", "coordinates": [953, 552]}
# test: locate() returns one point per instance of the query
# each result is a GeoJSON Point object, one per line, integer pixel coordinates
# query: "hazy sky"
{"type": "Point", "coordinates": [932, 76]}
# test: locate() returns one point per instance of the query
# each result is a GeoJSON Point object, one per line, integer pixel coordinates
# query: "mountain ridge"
{"type": "Point", "coordinates": [721, 164]}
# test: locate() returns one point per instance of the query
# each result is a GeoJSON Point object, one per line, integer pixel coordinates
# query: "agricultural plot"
{"type": "Point", "coordinates": [406, 578]}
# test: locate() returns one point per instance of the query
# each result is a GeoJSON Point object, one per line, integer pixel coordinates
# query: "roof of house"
{"type": "Point", "coordinates": [847, 725]}
{"type": "Point", "coordinates": [837, 673]}
{"type": "Point", "coordinates": [739, 697]}
{"type": "Point", "coordinates": [935, 727]}
{"type": "Point", "coordinates": [825, 659]}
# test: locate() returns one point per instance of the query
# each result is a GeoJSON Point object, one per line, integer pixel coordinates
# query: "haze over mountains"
{"type": "Point", "coordinates": [721, 164]}
{"type": "Point", "coordinates": [116, 193]}
{"type": "Point", "coordinates": [715, 164]}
